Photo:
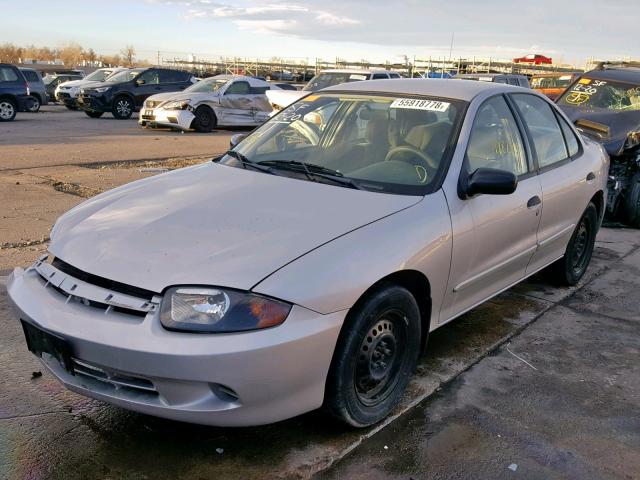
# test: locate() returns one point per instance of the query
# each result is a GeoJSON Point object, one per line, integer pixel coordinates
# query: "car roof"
{"type": "Point", "coordinates": [356, 70]}
{"type": "Point", "coordinates": [555, 74]}
{"type": "Point", "coordinates": [625, 74]}
{"type": "Point", "coordinates": [434, 87]}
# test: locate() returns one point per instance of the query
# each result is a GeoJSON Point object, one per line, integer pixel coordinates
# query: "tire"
{"type": "Point", "coordinates": [92, 114]}
{"type": "Point", "coordinates": [8, 109]}
{"type": "Point", "coordinates": [35, 105]}
{"type": "Point", "coordinates": [374, 358]}
{"type": "Point", "coordinates": [205, 120]}
{"type": "Point", "coordinates": [631, 211]}
{"type": "Point", "coordinates": [123, 108]}
{"type": "Point", "coordinates": [569, 269]}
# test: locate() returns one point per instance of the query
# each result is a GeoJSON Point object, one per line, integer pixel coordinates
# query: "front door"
{"type": "Point", "coordinates": [494, 236]}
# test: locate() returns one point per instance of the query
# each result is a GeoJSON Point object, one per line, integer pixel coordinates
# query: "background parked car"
{"type": "Point", "coordinates": [51, 82]}
{"type": "Point", "coordinates": [36, 87]}
{"type": "Point", "coordinates": [280, 99]}
{"type": "Point", "coordinates": [125, 92]}
{"type": "Point", "coordinates": [68, 92]}
{"type": "Point", "coordinates": [552, 84]}
{"type": "Point", "coordinates": [221, 100]}
{"type": "Point", "coordinates": [15, 95]}
{"type": "Point", "coordinates": [605, 104]}
{"type": "Point", "coordinates": [507, 78]}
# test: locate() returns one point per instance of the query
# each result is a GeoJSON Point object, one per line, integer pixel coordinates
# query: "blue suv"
{"type": "Point", "coordinates": [14, 92]}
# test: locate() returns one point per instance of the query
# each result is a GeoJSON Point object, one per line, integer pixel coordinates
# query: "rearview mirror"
{"type": "Point", "coordinates": [489, 181]}
{"type": "Point", "coordinates": [236, 139]}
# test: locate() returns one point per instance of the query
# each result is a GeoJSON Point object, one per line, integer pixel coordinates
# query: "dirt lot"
{"type": "Point", "coordinates": [540, 382]}
{"type": "Point", "coordinates": [52, 160]}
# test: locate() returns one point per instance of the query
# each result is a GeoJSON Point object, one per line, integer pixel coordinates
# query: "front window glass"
{"type": "Point", "coordinates": [328, 79]}
{"type": "Point", "coordinates": [98, 76]}
{"type": "Point", "coordinates": [207, 86]}
{"type": "Point", "coordinates": [602, 94]}
{"type": "Point", "coordinates": [392, 144]}
{"type": "Point", "coordinates": [122, 77]}
{"type": "Point", "coordinates": [495, 140]}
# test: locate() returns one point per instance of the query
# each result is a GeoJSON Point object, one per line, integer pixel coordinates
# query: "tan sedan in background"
{"type": "Point", "coordinates": [307, 266]}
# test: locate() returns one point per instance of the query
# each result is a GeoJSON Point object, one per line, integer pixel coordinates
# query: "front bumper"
{"type": "Point", "coordinates": [159, 117]}
{"type": "Point", "coordinates": [94, 103]}
{"type": "Point", "coordinates": [67, 97]}
{"type": "Point", "coordinates": [131, 361]}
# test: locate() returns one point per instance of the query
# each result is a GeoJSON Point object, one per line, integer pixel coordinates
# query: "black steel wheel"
{"type": "Point", "coordinates": [122, 108]}
{"type": "Point", "coordinates": [571, 268]}
{"type": "Point", "coordinates": [632, 203]}
{"type": "Point", "coordinates": [375, 356]}
{"type": "Point", "coordinates": [205, 120]}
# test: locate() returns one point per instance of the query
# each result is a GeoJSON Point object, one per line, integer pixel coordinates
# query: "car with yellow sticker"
{"type": "Point", "coordinates": [605, 104]}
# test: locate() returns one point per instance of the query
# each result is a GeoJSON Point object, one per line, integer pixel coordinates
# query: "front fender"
{"type": "Point", "coordinates": [332, 277]}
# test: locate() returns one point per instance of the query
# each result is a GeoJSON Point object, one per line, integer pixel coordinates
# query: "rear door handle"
{"type": "Point", "coordinates": [534, 202]}
{"type": "Point", "coordinates": [591, 177]}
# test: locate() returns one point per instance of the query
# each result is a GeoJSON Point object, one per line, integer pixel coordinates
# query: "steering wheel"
{"type": "Point", "coordinates": [431, 163]}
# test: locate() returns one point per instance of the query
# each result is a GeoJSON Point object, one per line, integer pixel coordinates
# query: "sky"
{"type": "Point", "coordinates": [568, 30]}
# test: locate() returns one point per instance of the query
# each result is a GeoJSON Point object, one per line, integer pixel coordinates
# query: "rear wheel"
{"type": "Point", "coordinates": [122, 108]}
{"type": "Point", "coordinates": [91, 114]}
{"type": "Point", "coordinates": [8, 109]}
{"type": "Point", "coordinates": [570, 268]}
{"type": "Point", "coordinates": [205, 119]}
{"type": "Point", "coordinates": [35, 105]}
{"type": "Point", "coordinates": [632, 203]}
{"type": "Point", "coordinates": [375, 356]}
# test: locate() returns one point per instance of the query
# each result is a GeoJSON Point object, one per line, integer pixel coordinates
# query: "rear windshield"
{"type": "Point", "coordinates": [328, 79]}
{"type": "Point", "coordinates": [561, 81]}
{"type": "Point", "coordinates": [602, 94]}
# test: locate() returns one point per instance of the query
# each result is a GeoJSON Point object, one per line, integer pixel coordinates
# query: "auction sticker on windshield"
{"type": "Point", "coordinates": [417, 104]}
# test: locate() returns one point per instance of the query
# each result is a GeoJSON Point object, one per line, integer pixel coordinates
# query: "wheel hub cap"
{"type": "Point", "coordinates": [6, 110]}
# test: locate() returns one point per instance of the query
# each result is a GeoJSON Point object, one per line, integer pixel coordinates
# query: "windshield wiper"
{"type": "Point", "coordinates": [312, 170]}
{"type": "Point", "coordinates": [246, 162]}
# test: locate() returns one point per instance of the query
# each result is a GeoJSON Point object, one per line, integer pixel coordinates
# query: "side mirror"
{"type": "Point", "coordinates": [140, 82]}
{"type": "Point", "coordinates": [237, 138]}
{"type": "Point", "coordinates": [489, 181]}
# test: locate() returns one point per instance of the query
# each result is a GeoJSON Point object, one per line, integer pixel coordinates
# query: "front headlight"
{"type": "Point", "coordinates": [180, 105]}
{"type": "Point", "coordinates": [219, 310]}
{"type": "Point", "coordinates": [102, 89]}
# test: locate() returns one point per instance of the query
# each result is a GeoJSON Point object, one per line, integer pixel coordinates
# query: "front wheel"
{"type": "Point", "coordinates": [375, 356]}
{"type": "Point", "coordinates": [632, 203]}
{"type": "Point", "coordinates": [122, 108]}
{"type": "Point", "coordinates": [91, 114]}
{"type": "Point", "coordinates": [569, 269]}
{"type": "Point", "coordinates": [34, 106]}
{"type": "Point", "coordinates": [205, 119]}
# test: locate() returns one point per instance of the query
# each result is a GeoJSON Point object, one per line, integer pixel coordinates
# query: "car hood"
{"type": "Point", "coordinates": [210, 225]}
{"type": "Point", "coordinates": [284, 98]}
{"type": "Point", "coordinates": [620, 125]}
{"type": "Point", "coordinates": [177, 96]}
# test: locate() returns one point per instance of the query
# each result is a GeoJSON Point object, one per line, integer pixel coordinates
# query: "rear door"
{"type": "Point", "coordinates": [174, 80]}
{"type": "Point", "coordinates": [563, 174]}
{"type": "Point", "coordinates": [494, 236]}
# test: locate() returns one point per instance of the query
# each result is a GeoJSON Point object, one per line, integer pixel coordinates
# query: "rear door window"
{"type": "Point", "coordinates": [31, 76]}
{"type": "Point", "coordinates": [172, 76]}
{"type": "Point", "coordinates": [238, 88]}
{"type": "Point", "coordinates": [380, 76]}
{"type": "Point", "coordinates": [547, 137]}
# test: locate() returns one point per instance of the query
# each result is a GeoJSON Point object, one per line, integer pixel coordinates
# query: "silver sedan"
{"type": "Point", "coordinates": [307, 266]}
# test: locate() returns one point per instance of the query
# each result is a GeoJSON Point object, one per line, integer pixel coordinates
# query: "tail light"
{"type": "Point", "coordinates": [26, 84]}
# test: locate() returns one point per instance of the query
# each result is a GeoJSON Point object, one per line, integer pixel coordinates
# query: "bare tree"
{"type": "Point", "coordinates": [9, 53]}
{"type": "Point", "coordinates": [72, 55]}
{"type": "Point", "coordinates": [128, 54]}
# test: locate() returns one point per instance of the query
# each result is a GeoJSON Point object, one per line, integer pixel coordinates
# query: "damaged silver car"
{"type": "Point", "coordinates": [306, 267]}
{"type": "Point", "coordinates": [223, 100]}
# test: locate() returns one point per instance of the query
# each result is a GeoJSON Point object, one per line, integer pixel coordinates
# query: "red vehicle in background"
{"type": "Point", "coordinates": [534, 59]}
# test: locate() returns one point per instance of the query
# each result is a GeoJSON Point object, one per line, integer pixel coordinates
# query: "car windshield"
{"type": "Point", "coordinates": [559, 81]}
{"type": "Point", "coordinates": [47, 79]}
{"type": "Point", "coordinates": [98, 76]}
{"type": "Point", "coordinates": [384, 143]}
{"type": "Point", "coordinates": [125, 76]}
{"type": "Point", "coordinates": [602, 94]}
{"type": "Point", "coordinates": [207, 86]}
{"type": "Point", "coordinates": [328, 79]}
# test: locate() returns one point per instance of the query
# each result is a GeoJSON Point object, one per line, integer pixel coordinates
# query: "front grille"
{"type": "Point", "coordinates": [63, 95]}
{"type": "Point", "coordinates": [114, 379]}
{"type": "Point", "coordinates": [102, 282]}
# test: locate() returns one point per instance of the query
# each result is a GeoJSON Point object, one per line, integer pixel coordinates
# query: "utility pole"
{"type": "Point", "coordinates": [158, 57]}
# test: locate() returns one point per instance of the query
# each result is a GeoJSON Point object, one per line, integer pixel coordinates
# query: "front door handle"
{"type": "Point", "coordinates": [534, 202]}
{"type": "Point", "coordinates": [591, 177]}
